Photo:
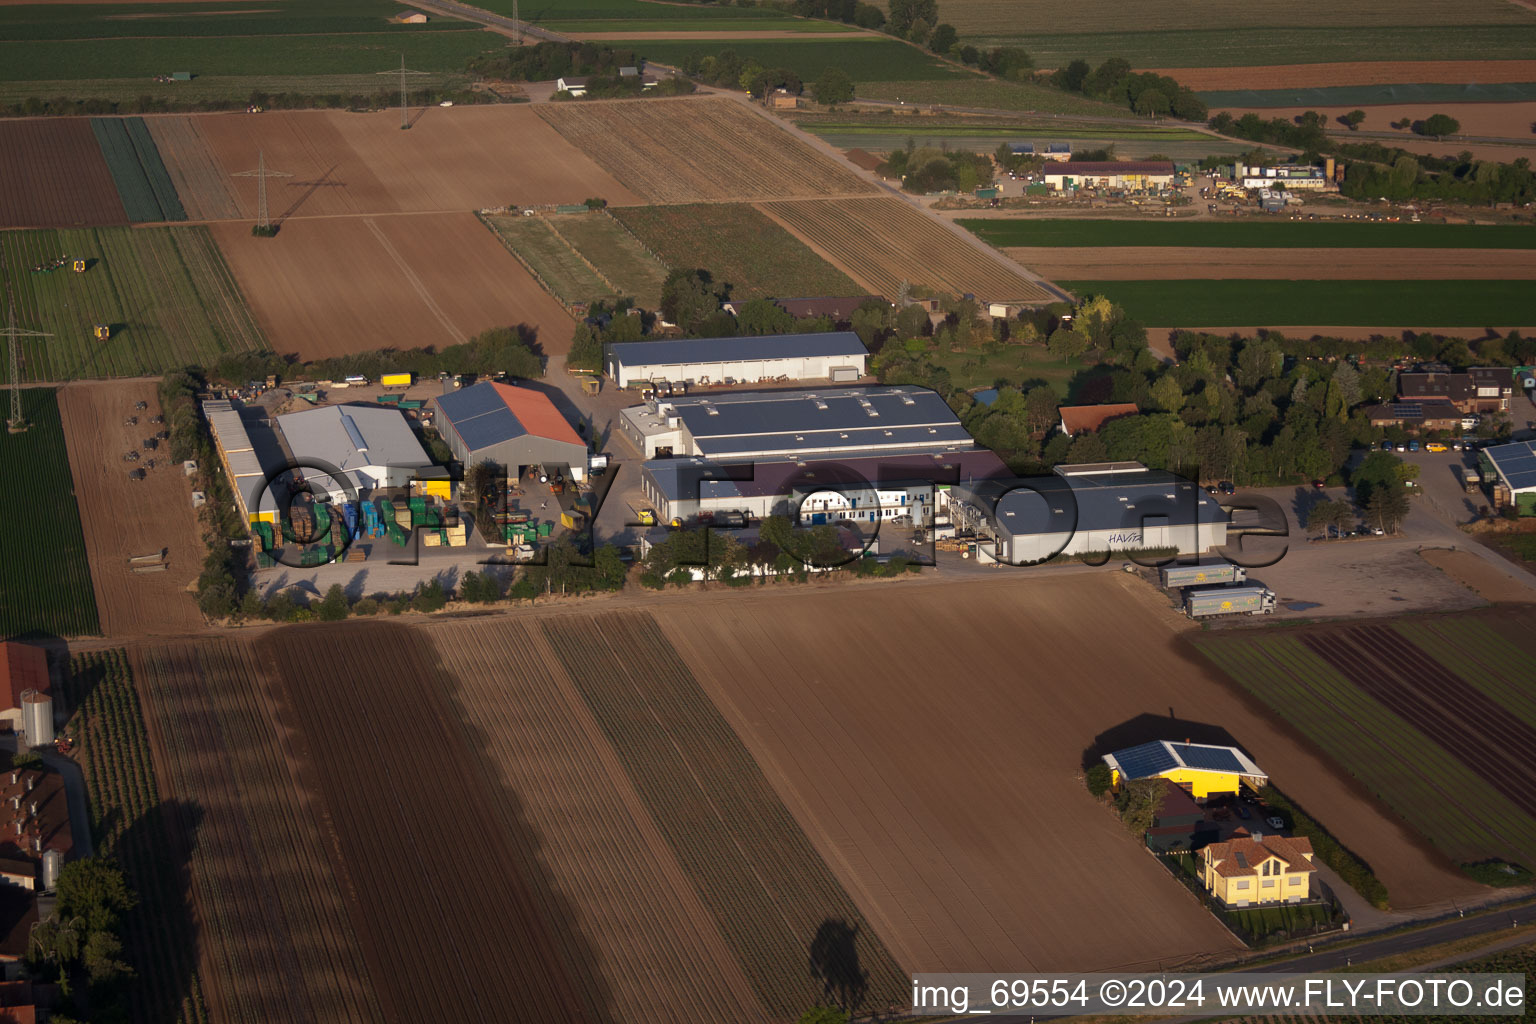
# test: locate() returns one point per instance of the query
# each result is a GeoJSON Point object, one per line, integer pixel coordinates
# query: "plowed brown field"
{"type": "Point", "coordinates": [332, 286]}
{"type": "Point", "coordinates": [122, 517]}
{"type": "Point", "coordinates": [882, 242]}
{"type": "Point", "coordinates": [1176, 263]}
{"type": "Point", "coordinates": [464, 158]}
{"type": "Point", "coordinates": [685, 150]}
{"type": "Point", "coordinates": [930, 741]}
{"type": "Point", "coordinates": [1387, 72]}
{"type": "Point", "coordinates": [52, 175]}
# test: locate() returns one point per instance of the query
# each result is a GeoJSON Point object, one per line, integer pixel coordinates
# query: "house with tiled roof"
{"type": "Point", "coordinates": [1254, 868]}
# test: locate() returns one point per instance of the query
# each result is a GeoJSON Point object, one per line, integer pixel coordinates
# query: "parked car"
{"type": "Point", "coordinates": [1243, 812]}
{"type": "Point", "coordinates": [1401, 446]}
{"type": "Point", "coordinates": [1413, 446]}
{"type": "Point", "coordinates": [1227, 487]}
{"type": "Point", "coordinates": [1275, 823]}
{"type": "Point", "coordinates": [1318, 484]}
{"type": "Point", "coordinates": [1436, 446]}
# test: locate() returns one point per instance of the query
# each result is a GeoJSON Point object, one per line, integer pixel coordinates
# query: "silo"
{"type": "Point", "coordinates": [37, 718]}
{"type": "Point", "coordinates": [53, 862]}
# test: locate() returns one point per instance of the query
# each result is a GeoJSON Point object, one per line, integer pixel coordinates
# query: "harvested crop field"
{"type": "Point", "coordinates": [334, 286]}
{"type": "Point", "coordinates": [1176, 263]}
{"type": "Point", "coordinates": [1432, 713]}
{"type": "Point", "coordinates": [123, 518]}
{"type": "Point", "coordinates": [463, 158]}
{"type": "Point", "coordinates": [55, 176]}
{"type": "Point", "coordinates": [1476, 574]}
{"type": "Point", "coordinates": [205, 188]}
{"type": "Point", "coordinates": [1386, 72]}
{"type": "Point", "coordinates": [882, 242]}
{"type": "Point", "coordinates": [682, 150]}
{"type": "Point", "coordinates": [956, 815]}
{"type": "Point", "coordinates": [738, 245]}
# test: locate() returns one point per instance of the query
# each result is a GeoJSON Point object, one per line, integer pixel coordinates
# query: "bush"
{"type": "Point", "coordinates": [1355, 872]}
{"type": "Point", "coordinates": [1099, 779]}
{"type": "Point", "coordinates": [430, 597]}
{"type": "Point", "coordinates": [366, 606]}
{"type": "Point", "coordinates": [1497, 873]}
{"type": "Point", "coordinates": [333, 608]}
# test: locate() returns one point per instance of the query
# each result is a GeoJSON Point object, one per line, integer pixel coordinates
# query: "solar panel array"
{"type": "Point", "coordinates": [1211, 759]}
{"type": "Point", "coordinates": [1145, 761]}
{"type": "Point", "coordinates": [480, 416]}
{"type": "Point", "coordinates": [1517, 462]}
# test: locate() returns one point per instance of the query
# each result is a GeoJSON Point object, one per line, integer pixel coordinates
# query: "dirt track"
{"type": "Point", "coordinates": [1476, 574]}
{"type": "Point", "coordinates": [1200, 263]}
{"type": "Point", "coordinates": [941, 778]}
{"type": "Point", "coordinates": [464, 158]}
{"type": "Point", "coordinates": [122, 518]}
{"type": "Point", "coordinates": [1390, 72]}
{"type": "Point", "coordinates": [332, 286]}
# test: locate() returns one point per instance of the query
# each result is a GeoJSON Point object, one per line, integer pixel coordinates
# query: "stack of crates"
{"type": "Point", "coordinates": [545, 529]}
{"type": "Point", "coordinates": [349, 516]}
{"type": "Point", "coordinates": [458, 536]}
{"type": "Point", "coordinates": [397, 535]}
{"type": "Point", "coordinates": [263, 532]}
{"type": "Point", "coordinates": [322, 521]}
{"type": "Point", "coordinates": [371, 524]}
{"type": "Point", "coordinates": [389, 399]}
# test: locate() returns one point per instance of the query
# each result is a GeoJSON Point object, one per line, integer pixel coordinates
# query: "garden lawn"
{"type": "Point", "coordinates": [1251, 234]}
{"type": "Point", "coordinates": [1384, 304]}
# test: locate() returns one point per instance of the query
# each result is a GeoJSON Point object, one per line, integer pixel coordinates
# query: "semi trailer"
{"type": "Point", "coordinates": [1179, 576]}
{"type": "Point", "coordinates": [1214, 601]}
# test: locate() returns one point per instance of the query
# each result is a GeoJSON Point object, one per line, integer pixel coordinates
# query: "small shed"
{"type": "Point", "coordinates": [181, 76]}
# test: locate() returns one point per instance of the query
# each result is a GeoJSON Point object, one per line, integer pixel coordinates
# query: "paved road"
{"type": "Point", "coordinates": [1392, 945]}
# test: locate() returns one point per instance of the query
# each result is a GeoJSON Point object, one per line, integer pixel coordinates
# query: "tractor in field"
{"type": "Point", "coordinates": [102, 332]}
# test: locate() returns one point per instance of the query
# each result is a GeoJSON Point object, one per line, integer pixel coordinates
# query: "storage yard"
{"type": "Point", "coordinates": [683, 150]}
{"type": "Point", "coordinates": [124, 518]}
{"type": "Point", "coordinates": [882, 242]}
{"type": "Point", "coordinates": [335, 286]}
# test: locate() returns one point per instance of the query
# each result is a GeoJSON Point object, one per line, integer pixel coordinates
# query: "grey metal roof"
{"type": "Point", "coordinates": [1109, 501]}
{"type": "Point", "coordinates": [350, 437]}
{"type": "Point", "coordinates": [675, 478]}
{"type": "Point", "coordinates": [715, 350]}
{"type": "Point", "coordinates": [1516, 463]}
{"type": "Point", "coordinates": [850, 419]}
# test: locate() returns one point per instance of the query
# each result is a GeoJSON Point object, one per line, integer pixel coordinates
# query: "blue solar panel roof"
{"type": "Point", "coordinates": [1145, 761]}
{"type": "Point", "coordinates": [1517, 463]}
{"type": "Point", "coordinates": [1214, 759]}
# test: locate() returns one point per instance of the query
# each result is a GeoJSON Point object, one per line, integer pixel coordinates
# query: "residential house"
{"type": "Point", "coordinates": [1416, 416]}
{"type": "Point", "coordinates": [1479, 390]}
{"type": "Point", "coordinates": [1257, 869]}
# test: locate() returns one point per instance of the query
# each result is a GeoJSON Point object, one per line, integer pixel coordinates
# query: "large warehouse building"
{"type": "Point", "coordinates": [740, 426]}
{"type": "Point", "coordinates": [1511, 470]}
{"type": "Point", "coordinates": [838, 356]}
{"type": "Point", "coordinates": [250, 455]}
{"type": "Point", "coordinates": [514, 427]}
{"type": "Point", "coordinates": [1132, 174]}
{"type": "Point", "coordinates": [1097, 507]}
{"type": "Point", "coordinates": [369, 446]}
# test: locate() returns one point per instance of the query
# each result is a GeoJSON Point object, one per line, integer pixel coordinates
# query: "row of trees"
{"type": "Point", "coordinates": [924, 169]}
{"type": "Point", "coordinates": [546, 61]}
{"type": "Point", "coordinates": [66, 106]}
{"type": "Point", "coordinates": [1114, 81]}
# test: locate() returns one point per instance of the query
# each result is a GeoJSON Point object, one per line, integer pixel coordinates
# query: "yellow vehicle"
{"type": "Point", "coordinates": [102, 332]}
{"type": "Point", "coordinates": [396, 380]}
{"type": "Point", "coordinates": [1436, 446]}
{"type": "Point", "coordinates": [647, 517]}
{"type": "Point", "coordinates": [591, 385]}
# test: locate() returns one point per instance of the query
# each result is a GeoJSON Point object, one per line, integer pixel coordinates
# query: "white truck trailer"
{"type": "Point", "coordinates": [1179, 576]}
{"type": "Point", "coordinates": [1214, 601]}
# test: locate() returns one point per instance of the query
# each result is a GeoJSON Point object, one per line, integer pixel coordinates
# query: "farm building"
{"type": "Point", "coordinates": [251, 456]}
{"type": "Point", "coordinates": [1416, 416]}
{"type": "Point", "coordinates": [1060, 152]}
{"type": "Point", "coordinates": [1255, 869]}
{"type": "Point", "coordinates": [1481, 389]}
{"type": "Point", "coordinates": [1511, 469]}
{"type": "Point", "coordinates": [813, 490]}
{"type": "Point", "coordinates": [24, 670]}
{"type": "Point", "coordinates": [575, 85]}
{"type": "Point", "coordinates": [835, 356]}
{"type": "Point", "coordinates": [1313, 178]}
{"type": "Point", "coordinates": [1076, 419]}
{"type": "Point", "coordinates": [1200, 769]}
{"type": "Point", "coordinates": [1021, 148]}
{"type": "Point", "coordinates": [367, 447]}
{"type": "Point", "coordinates": [514, 427]}
{"type": "Point", "coordinates": [1113, 174]}
{"type": "Point", "coordinates": [750, 425]}
{"type": "Point", "coordinates": [1098, 507]}
{"type": "Point", "coordinates": [36, 841]}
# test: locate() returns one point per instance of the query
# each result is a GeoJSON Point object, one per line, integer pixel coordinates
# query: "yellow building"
{"type": "Point", "coordinates": [1248, 869]}
{"type": "Point", "coordinates": [1200, 769]}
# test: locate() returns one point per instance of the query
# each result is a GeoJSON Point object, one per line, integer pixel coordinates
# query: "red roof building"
{"type": "Point", "coordinates": [22, 667]}
{"type": "Point", "coordinates": [1075, 419]}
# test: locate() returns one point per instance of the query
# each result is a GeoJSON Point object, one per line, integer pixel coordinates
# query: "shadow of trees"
{"type": "Point", "coordinates": [835, 963]}
{"type": "Point", "coordinates": [159, 935]}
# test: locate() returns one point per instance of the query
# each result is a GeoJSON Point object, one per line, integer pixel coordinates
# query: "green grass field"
{"type": "Point", "coordinates": [45, 582]}
{"type": "Point", "coordinates": [1013, 364]}
{"type": "Point", "coordinates": [739, 246]}
{"type": "Point", "coordinates": [1251, 234]}
{"type": "Point", "coordinates": [1046, 17]}
{"type": "Point", "coordinates": [551, 12]}
{"type": "Point", "coordinates": [1444, 800]}
{"type": "Point", "coordinates": [990, 93]}
{"type": "Point", "coordinates": [165, 291]}
{"type": "Point", "coordinates": [1368, 95]}
{"type": "Point", "coordinates": [700, 23]}
{"type": "Point", "coordinates": [268, 18]}
{"type": "Point", "coordinates": [1384, 304]}
{"type": "Point", "coordinates": [865, 59]}
{"type": "Point", "coordinates": [582, 257]}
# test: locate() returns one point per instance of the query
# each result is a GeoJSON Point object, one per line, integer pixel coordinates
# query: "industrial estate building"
{"type": "Point", "coordinates": [747, 425]}
{"type": "Point", "coordinates": [1091, 508]}
{"type": "Point", "coordinates": [1510, 469]}
{"type": "Point", "coordinates": [1114, 174]}
{"type": "Point", "coordinates": [1202, 770]}
{"type": "Point", "coordinates": [251, 457]}
{"type": "Point", "coordinates": [369, 447]}
{"type": "Point", "coordinates": [514, 427]}
{"type": "Point", "coordinates": [837, 356]}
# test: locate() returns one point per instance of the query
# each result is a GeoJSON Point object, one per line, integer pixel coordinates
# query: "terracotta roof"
{"type": "Point", "coordinates": [1241, 855]}
{"type": "Point", "coordinates": [18, 913]}
{"type": "Point", "coordinates": [538, 414]}
{"type": "Point", "coordinates": [22, 667]}
{"type": "Point", "coordinates": [1108, 167]}
{"type": "Point", "coordinates": [18, 1015]}
{"type": "Point", "coordinates": [50, 824]}
{"type": "Point", "coordinates": [1077, 418]}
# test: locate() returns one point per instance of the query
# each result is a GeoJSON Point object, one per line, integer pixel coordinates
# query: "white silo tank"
{"type": "Point", "coordinates": [37, 718]}
{"type": "Point", "coordinates": [53, 863]}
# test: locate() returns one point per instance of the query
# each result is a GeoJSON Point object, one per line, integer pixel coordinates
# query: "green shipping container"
{"type": "Point", "coordinates": [412, 403]}
{"type": "Point", "coordinates": [545, 529]}
{"type": "Point", "coordinates": [389, 399]}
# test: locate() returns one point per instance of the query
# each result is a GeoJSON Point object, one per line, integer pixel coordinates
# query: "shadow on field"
{"type": "Point", "coordinates": [160, 933]}
{"type": "Point", "coordinates": [835, 963]}
{"type": "Point", "coordinates": [1147, 727]}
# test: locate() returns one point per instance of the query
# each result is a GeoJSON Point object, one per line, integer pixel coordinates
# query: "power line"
{"type": "Point", "coordinates": [405, 118]}
{"type": "Point", "coordinates": [261, 174]}
{"type": "Point", "coordinates": [17, 423]}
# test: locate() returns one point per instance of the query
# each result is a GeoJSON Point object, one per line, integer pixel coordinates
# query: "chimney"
{"type": "Point", "coordinates": [37, 843]}
{"type": "Point", "coordinates": [17, 823]}
{"type": "Point", "coordinates": [15, 777]}
{"type": "Point", "coordinates": [31, 783]}
{"type": "Point", "coordinates": [16, 802]}
{"type": "Point", "coordinates": [32, 808]}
